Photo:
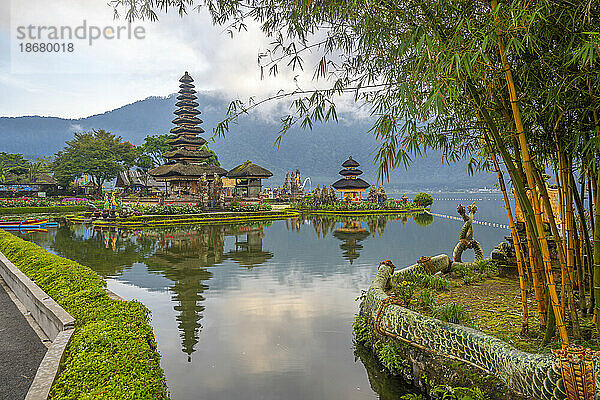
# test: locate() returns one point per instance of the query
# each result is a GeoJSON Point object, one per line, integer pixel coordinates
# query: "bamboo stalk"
{"type": "Point", "coordinates": [570, 220]}
{"type": "Point", "coordinates": [590, 253]}
{"type": "Point", "coordinates": [553, 226]}
{"type": "Point", "coordinates": [597, 257]}
{"type": "Point", "coordinates": [581, 274]}
{"type": "Point", "coordinates": [561, 200]}
{"type": "Point", "coordinates": [521, 195]}
{"type": "Point", "coordinates": [516, 241]}
{"type": "Point", "coordinates": [538, 289]}
{"type": "Point", "coordinates": [559, 240]}
{"type": "Point", "coordinates": [527, 163]}
{"type": "Point", "coordinates": [586, 245]}
{"type": "Point", "coordinates": [596, 223]}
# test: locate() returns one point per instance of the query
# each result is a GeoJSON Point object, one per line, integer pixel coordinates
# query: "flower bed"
{"type": "Point", "coordinates": [236, 206]}
{"type": "Point", "coordinates": [187, 209]}
{"type": "Point", "coordinates": [112, 354]}
{"type": "Point", "coordinates": [397, 205]}
{"type": "Point", "coordinates": [26, 202]}
{"type": "Point", "coordinates": [26, 205]}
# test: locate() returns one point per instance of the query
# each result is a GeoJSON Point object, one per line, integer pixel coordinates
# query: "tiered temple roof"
{"type": "Point", "coordinates": [189, 160]}
{"type": "Point", "coordinates": [350, 181]}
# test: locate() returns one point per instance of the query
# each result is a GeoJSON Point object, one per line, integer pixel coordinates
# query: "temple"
{"type": "Point", "coordinates": [248, 179]}
{"type": "Point", "coordinates": [188, 162]}
{"type": "Point", "coordinates": [350, 186]}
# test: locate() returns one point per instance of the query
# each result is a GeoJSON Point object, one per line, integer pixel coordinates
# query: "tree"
{"type": "Point", "coordinates": [98, 154]}
{"type": "Point", "coordinates": [155, 146]}
{"type": "Point", "coordinates": [12, 164]}
{"type": "Point", "coordinates": [214, 158]}
{"type": "Point", "coordinates": [472, 78]}
{"type": "Point", "coordinates": [423, 199]}
{"type": "Point", "coordinates": [41, 165]}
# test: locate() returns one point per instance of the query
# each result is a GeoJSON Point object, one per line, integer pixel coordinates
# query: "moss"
{"type": "Point", "coordinates": [112, 354]}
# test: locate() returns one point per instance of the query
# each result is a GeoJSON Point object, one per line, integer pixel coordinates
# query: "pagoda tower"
{"type": "Point", "coordinates": [187, 164]}
{"type": "Point", "coordinates": [350, 186]}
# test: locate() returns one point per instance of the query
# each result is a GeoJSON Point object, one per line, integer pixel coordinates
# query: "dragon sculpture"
{"type": "Point", "coordinates": [466, 240]}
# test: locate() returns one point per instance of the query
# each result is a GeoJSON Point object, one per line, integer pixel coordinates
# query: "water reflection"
{"type": "Point", "coordinates": [351, 233]}
{"type": "Point", "coordinates": [260, 310]}
{"type": "Point", "coordinates": [387, 387]}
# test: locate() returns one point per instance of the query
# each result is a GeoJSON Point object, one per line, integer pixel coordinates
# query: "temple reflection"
{"type": "Point", "coordinates": [249, 248]}
{"type": "Point", "coordinates": [183, 257]}
{"type": "Point", "coordinates": [185, 254]}
{"type": "Point", "coordinates": [351, 233]}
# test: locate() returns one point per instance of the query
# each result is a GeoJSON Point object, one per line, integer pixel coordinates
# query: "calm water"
{"type": "Point", "coordinates": [265, 311]}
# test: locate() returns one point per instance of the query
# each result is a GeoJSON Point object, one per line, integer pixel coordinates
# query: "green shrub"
{"type": "Point", "coordinates": [427, 300]}
{"type": "Point", "coordinates": [486, 268]}
{"type": "Point", "coordinates": [420, 279]}
{"type": "Point", "coordinates": [405, 291]}
{"type": "Point", "coordinates": [475, 272]}
{"type": "Point", "coordinates": [363, 333]}
{"type": "Point", "coordinates": [452, 312]}
{"type": "Point", "coordinates": [446, 392]}
{"type": "Point", "coordinates": [436, 282]}
{"type": "Point", "coordinates": [390, 357]}
{"type": "Point", "coordinates": [112, 354]}
{"type": "Point", "coordinates": [412, 396]}
{"type": "Point", "coordinates": [423, 199]}
{"type": "Point", "coordinates": [237, 207]}
{"type": "Point", "coordinates": [43, 209]}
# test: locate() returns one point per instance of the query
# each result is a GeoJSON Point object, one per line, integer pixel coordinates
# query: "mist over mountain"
{"type": "Point", "coordinates": [318, 153]}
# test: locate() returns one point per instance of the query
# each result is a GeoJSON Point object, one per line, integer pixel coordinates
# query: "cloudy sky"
{"type": "Point", "coordinates": [110, 73]}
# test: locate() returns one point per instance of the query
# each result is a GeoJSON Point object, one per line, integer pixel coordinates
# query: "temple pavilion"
{"type": "Point", "coordinates": [248, 178]}
{"type": "Point", "coordinates": [350, 186]}
{"type": "Point", "coordinates": [187, 163]}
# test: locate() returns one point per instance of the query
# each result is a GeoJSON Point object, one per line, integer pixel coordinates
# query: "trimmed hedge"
{"type": "Point", "coordinates": [112, 354]}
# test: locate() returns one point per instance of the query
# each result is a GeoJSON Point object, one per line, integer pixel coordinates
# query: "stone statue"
{"type": "Point", "coordinates": [381, 196]}
{"type": "Point", "coordinates": [372, 197]}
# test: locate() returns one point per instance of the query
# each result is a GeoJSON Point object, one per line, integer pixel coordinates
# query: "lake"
{"type": "Point", "coordinates": [265, 310]}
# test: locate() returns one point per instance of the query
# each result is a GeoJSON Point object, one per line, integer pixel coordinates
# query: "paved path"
{"type": "Point", "coordinates": [21, 350]}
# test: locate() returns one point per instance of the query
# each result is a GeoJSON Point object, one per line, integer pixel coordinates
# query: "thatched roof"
{"type": "Point", "coordinates": [183, 153]}
{"type": "Point", "coordinates": [187, 170]}
{"type": "Point", "coordinates": [186, 130]}
{"type": "Point", "coordinates": [249, 170]}
{"type": "Point", "coordinates": [197, 140]}
{"type": "Point", "coordinates": [186, 103]}
{"type": "Point", "coordinates": [186, 96]}
{"type": "Point", "coordinates": [350, 163]}
{"type": "Point", "coordinates": [350, 172]}
{"type": "Point", "coordinates": [186, 78]}
{"type": "Point", "coordinates": [186, 119]}
{"type": "Point", "coordinates": [350, 184]}
{"type": "Point", "coordinates": [187, 90]}
{"type": "Point", "coordinates": [136, 178]}
{"type": "Point", "coordinates": [186, 111]}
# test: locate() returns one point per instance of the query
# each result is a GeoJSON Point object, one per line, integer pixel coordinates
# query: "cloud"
{"type": "Point", "coordinates": [111, 73]}
{"type": "Point", "coordinates": [75, 128]}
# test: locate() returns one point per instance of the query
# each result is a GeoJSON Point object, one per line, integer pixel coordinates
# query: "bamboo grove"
{"type": "Point", "coordinates": [513, 85]}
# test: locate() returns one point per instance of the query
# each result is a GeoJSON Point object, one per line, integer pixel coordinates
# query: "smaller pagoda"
{"type": "Point", "coordinates": [187, 168]}
{"type": "Point", "coordinates": [350, 186]}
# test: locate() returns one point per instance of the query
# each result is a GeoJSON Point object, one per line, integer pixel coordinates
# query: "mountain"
{"type": "Point", "coordinates": [318, 153]}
